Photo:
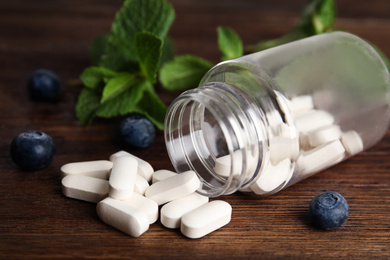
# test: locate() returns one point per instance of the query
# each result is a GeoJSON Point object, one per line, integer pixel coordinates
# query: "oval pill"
{"type": "Point", "coordinates": [145, 170]}
{"type": "Point", "coordinates": [98, 169]}
{"type": "Point", "coordinates": [319, 158]}
{"type": "Point", "coordinates": [287, 131]}
{"type": "Point", "coordinates": [123, 177]}
{"type": "Point", "coordinates": [148, 206]}
{"type": "Point", "coordinates": [223, 164]}
{"type": "Point", "coordinates": [84, 188]}
{"type": "Point", "coordinates": [313, 119]}
{"type": "Point", "coordinates": [324, 135]}
{"type": "Point", "coordinates": [206, 219]}
{"type": "Point", "coordinates": [273, 177]}
{"type": "Point", "coordinates": [141, 185]}
{"type": "Point", "coordinates": [114, 156]}
{"type": "Point", "coordinates": [352, 142]}
{"type": "Point", "coordinates": [122, 216]}
{"type": "Point", "coordinates": [274, 119]}
{"type": "Point", "coordinates": [172, 212]}
{"type": "Point", "coordinates": [175, 187]}
{"type": "Point", "coordinates": [301, 104]}
{"type": "Point", "coordinates": [282, 147]}
{"type": "Point", "coordinates": [162, 175]}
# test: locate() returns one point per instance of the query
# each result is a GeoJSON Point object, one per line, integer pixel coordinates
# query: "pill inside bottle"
{"type": "Point", "coordinates": [267, 120]}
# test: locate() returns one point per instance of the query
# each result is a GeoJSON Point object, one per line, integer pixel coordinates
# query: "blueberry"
{"type": "Point", "coordinates": [43, 85]}
{"type": "Point", "coordinates": [32, 150]}
{"type": "Point", "coordinates": [137, 131]}
{"type": "Point", "coordinates": [328, 210]}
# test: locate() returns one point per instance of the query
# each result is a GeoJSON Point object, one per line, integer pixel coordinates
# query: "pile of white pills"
{"type": "Point", "coordinates": [130, 195]}
{"type": "Point", "coordinates": [306, 140]}
{"type": "Point", "coordinates": [315, 144]}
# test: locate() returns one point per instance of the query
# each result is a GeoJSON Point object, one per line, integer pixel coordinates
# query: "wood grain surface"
{"type": "Point", "coordinates": [38, 222]}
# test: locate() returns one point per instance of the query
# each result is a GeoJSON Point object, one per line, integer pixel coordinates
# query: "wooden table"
{"type": "Point", "coordinates": [37, 221]}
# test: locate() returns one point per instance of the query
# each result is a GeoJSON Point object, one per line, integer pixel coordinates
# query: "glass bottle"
{"type": "Point", "coordinates": [267, 120]}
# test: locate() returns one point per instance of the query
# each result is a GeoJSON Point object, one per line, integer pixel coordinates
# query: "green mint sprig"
{"type": "Point", "coordinates": [125, 64]}
{"type": "Point", "coordinates": [137, 53]}
{"type": "Point", "coordinates": [183, 72]}
{"type": "Point", "coordinates": [186, 71]}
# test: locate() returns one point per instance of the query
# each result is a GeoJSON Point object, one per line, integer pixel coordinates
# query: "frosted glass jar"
{"type": "Point", "coordinates": [265, 121]}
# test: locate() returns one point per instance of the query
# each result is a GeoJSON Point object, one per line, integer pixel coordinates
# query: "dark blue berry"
{"type": "Point", "coordinates": [32, 150]}
{"type": "Point", "coordinates": [137, 131]}
{"type": "Point", "coordinates": [328, 210]}
{"type": "Point", "coordinates": [43, 85]}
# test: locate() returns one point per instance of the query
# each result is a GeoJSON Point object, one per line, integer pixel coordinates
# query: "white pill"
{"type": "Point", "coordinates": [162, 175]}
{"type": "Point", "coordinates": [313, 119]}
{"type": "Point", "coordinates": [300, 104]}
{"type": "Point", "coordinates": [145, 170]}
{"type": "Point", "coordinates": [304, 143]}
{"type": "Point", "coordinates": [273, 177]}
{"type": "Point", "coordinates": [123, 216]}
{"type": "Point", "coordinates": [148, 206]}
{"type": "Point", "coordinates": [319, 158]}
{"type": "Point", "coordinates": [98, 169]}
{"type": "Point", "coordinates": [287, 131]}
{"type": "Point", "coordinates": [206, 219]}
{"type": "Point", "coordinates": [141, 185]}
{"type": "Point", "coordinates": [281, 148]}
{"type": "Point", "coordinates": [175, 187]}
{"type": "Point", "coordinates": [118, 154]}
{"type": "Point", "coordinates": [223, 164]}
{"type": "Point", "coordinates": [274, 120]}
{"type": "Point", "coordinates": [172, 212]}
{"type": "Point", "coordinates": [84, 188]}
{"type": "Point", "coordinates": [123, 177]}
{"type": "Point", "coordinates": [324, 135]}
{"type": "Point", "coordinates": [352, 142]}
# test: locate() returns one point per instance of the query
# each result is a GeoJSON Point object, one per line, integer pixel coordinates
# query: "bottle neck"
{"type": "Point", "coordinates": [217, 131]}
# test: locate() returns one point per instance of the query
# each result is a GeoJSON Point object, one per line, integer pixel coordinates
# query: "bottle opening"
{"type": "Point", "coordinates": [211, 132]}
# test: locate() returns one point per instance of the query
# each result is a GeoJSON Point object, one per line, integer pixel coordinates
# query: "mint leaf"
{"type": "Point", "coordinates": [93, 77]}
{"type": "Point", "coordinates": [97, 48]}
{"type": "Point", "coordinates": [229, 43]}
{"type": "Point", "coordinates": [117, 85]}
{"type": "Point", "coordinates": [152, 107]}
{"type": "Point", "coordinates": [137, 97]}
{"type": "Point", "coordinates": [101, 55]}
{"type": "Point", "coordinates": [87, 104]}
{"type": "Point", "coordinates": [183, 72]}
{"type": "Point", "coordinates": [126, 63]}
{"type": "Point", "coordinates": [168, 51]}
{"type": "Point", "coordinates": [131, 93]}
{"type": "Point", "coordinates": [155, 16]}
{"type": "Point", "coordinates": [149, 52]}
{"type": "Point", "coordinates": [118, 62]}
{"type": "Point", "coordinates": [317, 17]}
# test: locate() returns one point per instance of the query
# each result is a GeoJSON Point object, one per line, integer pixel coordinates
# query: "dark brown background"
{"type": "Point", "coordinates": [37, 221]}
